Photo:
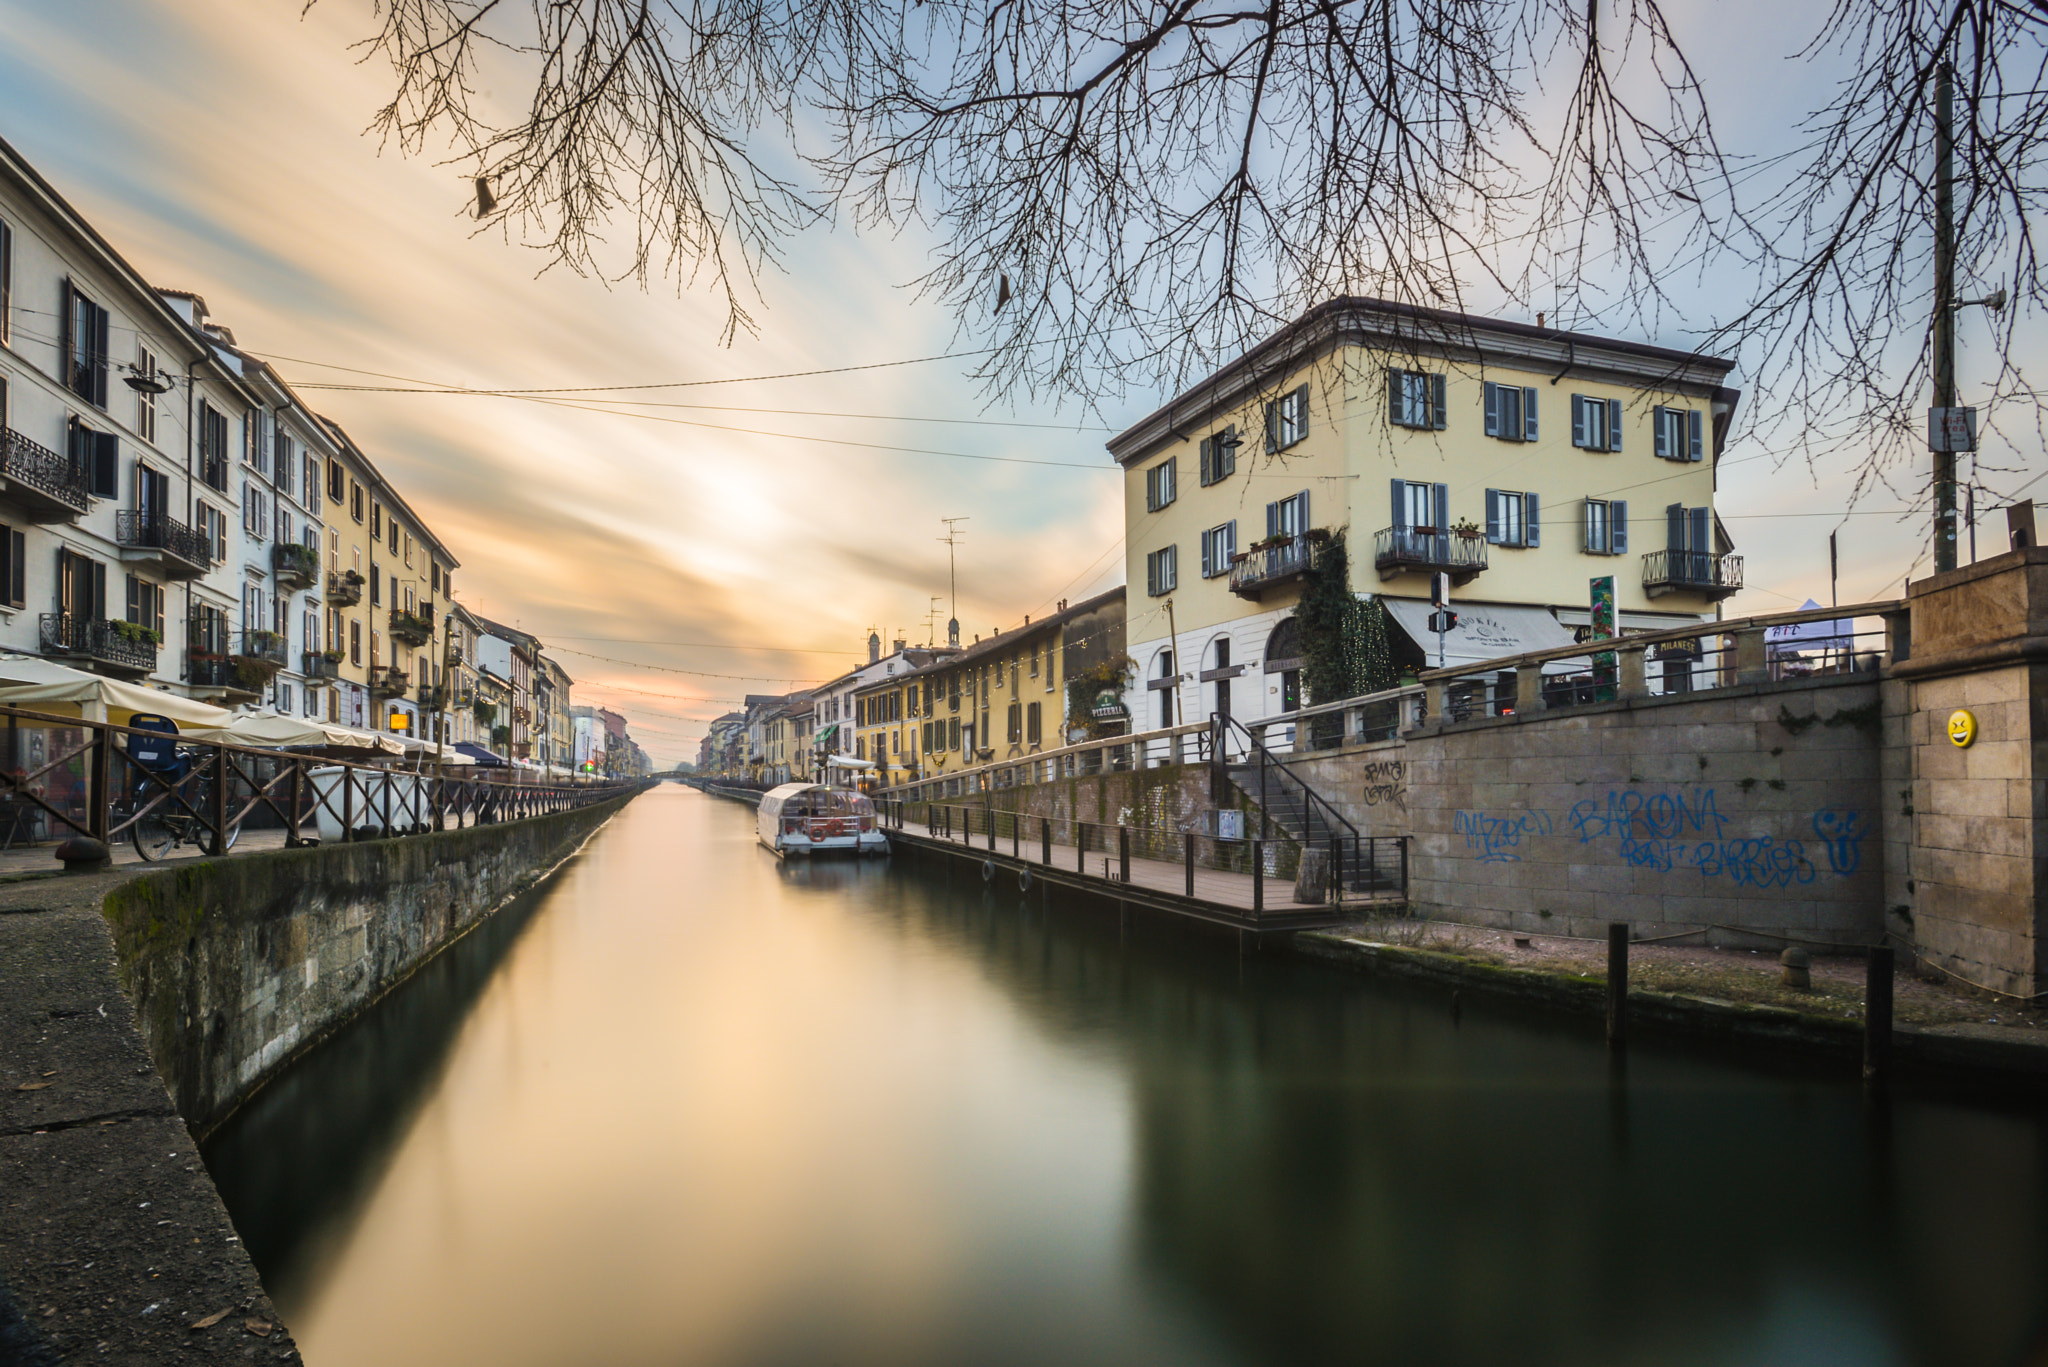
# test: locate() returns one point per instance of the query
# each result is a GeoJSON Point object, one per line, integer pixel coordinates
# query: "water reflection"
{"type": "Point", "coordinates": [708, 1108]}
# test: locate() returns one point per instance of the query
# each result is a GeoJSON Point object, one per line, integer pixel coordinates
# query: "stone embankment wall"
{"type": "Point", "coordinates": [1758, 808]}
{"type": "Point", "coordinates": [237, 965]}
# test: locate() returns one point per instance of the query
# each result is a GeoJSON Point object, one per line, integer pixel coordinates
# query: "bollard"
{"type": "Point", "coordinates": [1877, 1018]}
{"type": "Point", "coordinates": [1081, 848]}
{"type": "Point", "coordinates": [1123, 854]}
{"type": "Point", "coordinates": [1617, 984]}
{"type": "Point", "coordinates": [1258, 877]}
{"type": "Point", "coordinates": [1188, 857]}
{"type": "Point", "coordinates": [1045, 835]}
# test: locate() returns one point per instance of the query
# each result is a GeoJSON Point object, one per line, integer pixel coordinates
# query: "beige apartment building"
{"type": "Point", "coordinates": [1523, 462]}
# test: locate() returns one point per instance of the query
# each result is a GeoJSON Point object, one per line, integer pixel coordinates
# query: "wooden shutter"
{"type": "Point", "coordinates": [67, 322]}
{"type": "Point", "coordinates": [106, 465]}
{"type": "Point", "coordinates": [1528, 415]}
{"type": "Point", "coordinates": [1301, 512]}
{"type": "Point", "coordinates": [1273, 426]}
{"type": "Point", "coordinates": [1674, 526]}
{"type": "Point", "coordinates": [134, 599]}
{"type": "Point", "coordinates": [1694, 423]}
{"type": "Point", "coordinates": [1617, 518]}
{"type": "Point", "coordinates": [1300, 397]}
{"type": "Point", "coordinates": [1394, 415]}
{"type": "Point", "coordinates": [1227, 451]}
{"type": "Point", "coordinates": [1492, 413]}
{"type": "Point", "coordinates": [6, 282]}
{"type": "Point", "coordinates": [1438, 418]}
{"type": "Point", "coordinates": [1207, 460]}
{"type": "Point", "coordinates": [1400, 506]}
{"type": "Point", "coordinates": [14, 574]}
{"type": "Point", "coordinates": [1229, 554]}
{"type": "Point", "coordinates": [1579, 437]}
{"type": "Point", "coordinates": [1208, 555]}
{"type": "Point", "coordinates": [1661, 430]}
{"type": "Point", "coordinates": [1531, 531]}
{"type": "Point", "coordinates": [1614, 424]}
{"type": "Point", "coordinates": [1702, 535]}
{"type": "Point", "coordinates": [1440, 502]}
{"type": "Point", "coordinates": [1492, 514]}
{"type": "Point", "coordinates": [1592, 542]}
{"type": "Point", "coordinates": [98, 607]}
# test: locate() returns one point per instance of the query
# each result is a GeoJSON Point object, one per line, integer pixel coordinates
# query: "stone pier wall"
{"type": "Point", "coordinates": [237, 965]}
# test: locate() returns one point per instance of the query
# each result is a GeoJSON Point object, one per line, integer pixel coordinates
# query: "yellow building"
{"type": "Point", "coordinates": [1521, 461]}
{"type": "Point", "coordinates": [346, 556]}
{"type": "Point", "coordinates": [1000, 698]}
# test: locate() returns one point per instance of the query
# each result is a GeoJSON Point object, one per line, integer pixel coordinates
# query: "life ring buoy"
{"type": "Point", "coordinates": [988, 870]}
{"type": "Point", "coordinates": [1024, 879]}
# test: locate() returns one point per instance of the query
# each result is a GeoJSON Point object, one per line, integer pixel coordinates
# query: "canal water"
{"type": "Point", "coordinates": [687, 1105]}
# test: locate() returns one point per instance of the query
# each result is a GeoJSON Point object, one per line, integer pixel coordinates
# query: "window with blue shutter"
{"type": "Point", "coordinates": [1416, 399]}
{"type": "Point", "coordinates": [1606, 526]}
{"type": "Point", "coordinates": [1680, 433]}
{"type": "Point", "coordinates": [1510, 412]}
{"type": "Point", "coordinates": [1287, 419]}
{"type": "Point", "coordinates": [1159, 485]}
{"type": "Point", "coordinates": [1510, 518]}
{"type": "Point", "coordinates": [1219, 456]}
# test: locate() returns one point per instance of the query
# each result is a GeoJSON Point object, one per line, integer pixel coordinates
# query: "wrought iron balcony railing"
{"type": "Point", "coordinates": [1702, 572]}
{"type": "Point", "coordinates": [1271, 564]}
{"type": "Point", "coordinates": [389, 681]}
{"type": "Point", "coordinates": [295, 566]}
{"type": "Point", "coordinates": [1432, 550]}
{"type": "Point", "coordinates": [181, 551]}
{"type": "Point", "coordinates": [344, 588]}
{"type": "Point", "coordinates": [411, 628]}
{"type": "Point", "coordinates": [42, 478]}
{"type": "Point", "coordinates": [117, 645]}
{"type": "Point", "coordinates": [320, 667]}
{"type": "Point", "coordinates": [262, 647]}
{"type": "Point", "coordinates": [433, 697]}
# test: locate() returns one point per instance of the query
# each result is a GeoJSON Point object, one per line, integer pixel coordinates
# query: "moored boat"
{"type": "Point", "coordinates": [815, 818]}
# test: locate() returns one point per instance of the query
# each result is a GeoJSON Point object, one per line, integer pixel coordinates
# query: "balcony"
{"type": "Point", "coordinates": [264, 649]}
{"type": "Point", "coordinates": [50, 487]}
{"type": "Point", "coordinates": [389, 681]}
{"type": "Point", "coordinates": [1429, 550]}
{"type": "Point", "coordinates": [411, 628]}
{"type": "Point", "coordinates": [1272, 563]}
{"type": "Point", "coordinates": [114, 647]}
{"type": "Point", "coordinates": [320, 667]}
{"type": "Point", "coordinates": [173, 549]}
{"type": "Point", "coordinates": [296, 566]}
{"type": "Point", "coordinates": [433, 697]}
{"type": "Point", "coordinates": [344, 589]}
{"type": "Point", "coordinates": [1711, 576]}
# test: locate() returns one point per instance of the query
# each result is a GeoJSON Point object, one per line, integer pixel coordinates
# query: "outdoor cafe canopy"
{"type": "Point", "coordinates": [270, 731]}
{"type": "Point", "coordinates": [44, 686]}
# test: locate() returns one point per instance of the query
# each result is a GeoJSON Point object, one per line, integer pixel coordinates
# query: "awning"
{"type": "Point", "coordinates": [1485, 631]}
{"type": "Point", "coordinates": [269, 730]}
{"type": "Point", "coordinates": [44, 686]}
{"type": "Point", "coordinates": [486, 758]}
{"type": "Point", "coordinates": [825, 734]}
{"type": "Point", "coordinates": [848, 762]}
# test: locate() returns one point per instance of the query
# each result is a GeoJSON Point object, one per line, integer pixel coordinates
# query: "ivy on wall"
{"type": "Point", "coordinates": [1343, 637]}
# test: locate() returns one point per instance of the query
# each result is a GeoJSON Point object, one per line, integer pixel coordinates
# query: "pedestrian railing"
{"type": "Point", "coordinates": [1188, 744]}
{"type": "Point", "coordinates": [63, 776]}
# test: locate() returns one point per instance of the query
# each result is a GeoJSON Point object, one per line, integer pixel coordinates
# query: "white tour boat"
{"type": "Point", "coordinates": [808, 818]}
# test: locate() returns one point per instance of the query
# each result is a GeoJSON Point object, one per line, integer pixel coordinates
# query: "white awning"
{"type": "Point", "coordinates": [848, 762]}
{"type": "Point", "coordinates": [1485, 631]}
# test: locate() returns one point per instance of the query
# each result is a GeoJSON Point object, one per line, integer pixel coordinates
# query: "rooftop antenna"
{"type": "Point", "coordinates": [931, 619]}
{"type": "Point", "coordinates": [951, 537]}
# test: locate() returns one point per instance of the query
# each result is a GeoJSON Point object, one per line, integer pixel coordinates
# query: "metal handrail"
{"type": "Point", "coordinates": [1693, 569]}
{"type": "Point", "coordinates": [1313, 798]}
{"type": "Point", "coordinates": [1143, 738]}
{"type": "Point", "coordinates": [30, 462]}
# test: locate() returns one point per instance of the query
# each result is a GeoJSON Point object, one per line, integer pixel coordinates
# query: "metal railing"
{"type": "Point", "coordinates": [411, 628]}
{"type": "Point", "coordinates": [1144, 750]}
{"type": "Point", "coordinates": [344, 588]}
{"type": "Point", "coordinates": [1322, 826]}
{"type": "Point", "coordinates": [319, 667]}
{"type": "Point", "coordinates": [1266, 565]}
{"type": "Point", "coordinates": [389, 681]}
{"type": "Point", "coordinates": [158, 532]}
{"type": "Point", "coordinates": [1428, 548]}
{"type": "Point", "coordinates": [97, 639]}
{"type": "Point", "coordinates": [61, 776]}
{"type": "Point", "coordinates": [1349, 721]}
{"type": "Point", "coordinates": [295, 565]}
{"type": "Point", "coordinates": [1703, 571]}
{"type": "Point", "coordinates": [263, 647]}
{"type": "Point", "coordinates": [37, 467]}
{"type": "Point", "coordinates": [209, 670]}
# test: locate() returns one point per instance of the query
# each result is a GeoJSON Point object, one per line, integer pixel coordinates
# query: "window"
{"type": "Point", "coordinates": [1679, 433]}
{"type": "Point", "coordinates": [286, 463]}
{"type": "Point", "coordinates": [13, 567]}
{"type": "Point", "coordinates": [1161, 571]}
{"type": "Point", "coordinates": [254, 451]}
{"type": "Point", "coordinates": [392, 522]}
{"type": "Point", "coordinates": [1288, 517]}
{"type": "Point", "coordinates": [145, 401]}
{"type": "Point", "coordinates": [1219, 544]}
{"type": "Point", "coordinates": [1287, 419]}
{"type": "Point", "coordinates": [312, 630]}
{"type": "Point", "coordinates": [283, 532]}
{"type": "Point", "coordinates": [312, 464]}
{"type": "Point", "coordinates": [1034, 659]}
{"type": "Point", "coordinates": [1511, 518]}
{"type": "Point", "coordinates": [1219, 456]}
{"type": "Point", "coordinates": [213, 527]}
{"type": "Point", "coordinates": [337, 484]}
{"type": "Point", "coordinates": [1016, 724]}
{"type": "Point", "coordinates": [376, 585]}
{"type": "Point", "coordinates": [84, 347]}
{"type": "Point", "coordinates": [434, 579]}
{"type": "Point", "coordinates": [1034, 731]}
{"type": "Point", "coordinates": [81, 585]}
{"type": "Point", "coordinates": [1510, 412]}
{"type": "Point", "coordinates": [355, 642]}
{"type": "Point", "coordinates": [152, 492]}
{"type": "Point", "coordinates": [98, 456]}
{"type": "Point", "coordinates": [376, 520]}
{"type": "Point", "coordinates": [1160, 484]}
{"type": "Point", "coordinates": [1606, 527]}
{"type": "Point", "coordinates": [1596, 423]}
{"type": "Point", "coordinates": [1690, 530]}
{"type": "Point", "coordinates": [255, 511]}
{"type": "Point", "coordinates": [213, 446]}
{"type": "Point", "coordinates": [953, 733]}
{"type": "Point", "coordinates": [1415, 399]}
{"type": "Point", "coordinates": [146, 605]}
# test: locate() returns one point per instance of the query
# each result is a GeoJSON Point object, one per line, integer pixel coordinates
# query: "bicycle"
{"type": "Point", "coordinates": [167, 796]}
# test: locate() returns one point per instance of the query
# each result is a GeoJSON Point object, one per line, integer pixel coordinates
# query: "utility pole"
{"type": "Point", "coordinates": [1173, 708]}
{"type": "Point", "coordinates": [1944, 314]}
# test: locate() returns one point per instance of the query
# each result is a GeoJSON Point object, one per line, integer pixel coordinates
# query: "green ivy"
{"type": "Point", "coordinates": [1343, 637]}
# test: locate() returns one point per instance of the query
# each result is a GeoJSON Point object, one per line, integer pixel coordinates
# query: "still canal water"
{"type": "Point", "coordinates": [691, 1106]}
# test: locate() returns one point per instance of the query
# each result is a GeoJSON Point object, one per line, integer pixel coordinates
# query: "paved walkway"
{"type": "Point", "coordinates": [41, 856]}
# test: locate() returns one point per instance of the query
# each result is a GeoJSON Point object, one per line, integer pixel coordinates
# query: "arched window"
{"type": "Point", "coordinates": [1283, 657]}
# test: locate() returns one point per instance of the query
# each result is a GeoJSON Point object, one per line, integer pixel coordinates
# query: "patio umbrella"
{"type": "Point", "coordinates": [44, 686]}
{"type": "Point", "coordinates": [271, 731]}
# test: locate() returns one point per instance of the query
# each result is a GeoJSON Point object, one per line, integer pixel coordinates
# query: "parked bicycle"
{"type": "Point", "coordinates": [168, 798]}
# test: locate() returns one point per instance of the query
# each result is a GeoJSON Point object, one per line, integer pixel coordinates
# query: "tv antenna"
{"type": "Point", "coordinates": [951, 538]}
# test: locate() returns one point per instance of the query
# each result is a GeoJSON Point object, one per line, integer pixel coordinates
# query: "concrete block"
{"type": "Point", "coordinates": [1962, 797]}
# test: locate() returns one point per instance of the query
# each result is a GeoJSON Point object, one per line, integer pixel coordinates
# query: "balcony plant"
{"type": "Point", "coordinates": [1343, 637]}
{"type": "Point", "coordinates": [1467, 529]}
{"type": "Point", "coordinates": [333, 657]}
{"type": "Point", "coordinates": [136, 634]}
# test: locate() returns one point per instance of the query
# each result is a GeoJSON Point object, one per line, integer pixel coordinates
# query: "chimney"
{"type": "Point", "coordinates": [874, 647]}
{"type": "Point", "coordinates": [900, 643]}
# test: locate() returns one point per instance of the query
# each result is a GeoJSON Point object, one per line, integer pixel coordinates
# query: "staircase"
{"type": "Point", "coordinates": [1307, 818]}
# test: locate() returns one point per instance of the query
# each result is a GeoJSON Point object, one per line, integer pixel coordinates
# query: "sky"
{"type": "Point", "coordinates": [677, 560]}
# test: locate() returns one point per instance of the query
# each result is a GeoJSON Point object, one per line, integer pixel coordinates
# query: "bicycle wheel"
{"type": "Point", "coordinates": [153, 835]}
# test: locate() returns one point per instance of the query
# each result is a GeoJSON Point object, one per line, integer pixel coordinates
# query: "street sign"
{"type": "Point", "coordinates": [1951, 429]}
{"type": "Point", "coordinates": [1440, 590]}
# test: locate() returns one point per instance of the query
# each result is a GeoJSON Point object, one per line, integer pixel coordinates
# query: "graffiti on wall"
{"type": "Point", "coordinates": [1385, 782]}
{"type": "Point", "coordinates": [1676, 829]}
{"type": "Point", "coordinates": [1498, 839]}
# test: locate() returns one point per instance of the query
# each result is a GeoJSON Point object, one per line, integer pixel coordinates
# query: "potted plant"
{"type": "Point", "coordinates": [333, 657]}
{"type": "Point", "coordinates": [1467, 529]}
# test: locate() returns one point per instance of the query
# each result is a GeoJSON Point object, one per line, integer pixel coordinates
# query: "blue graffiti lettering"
{"type": "Point", "coordinates": [1760, 862]}
{"type": "Point", "coordinates": [1632, 815]}
{"type": "Point", "coordinates": [1840, 832]}
{"type": "Point", "coordinates": [1497, 837]}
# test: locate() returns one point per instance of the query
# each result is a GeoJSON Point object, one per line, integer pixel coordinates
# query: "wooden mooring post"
{"type": "Point", "coordinates": [1188, 858]}
{"type": "Point", "coordinates": [1123, 854]}
{"type": "Point", "coordinates": [1617, 984]}
{"type": "Point", "coordinates": [1258, 878]}
{"type": "Point", "coordinates": [1045, 838]}
{"type": "Point", "coordinates": [1877, 1018]}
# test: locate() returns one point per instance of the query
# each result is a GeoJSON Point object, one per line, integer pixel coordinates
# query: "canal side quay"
{"type": "Point", "coordinates": [137, 1013]}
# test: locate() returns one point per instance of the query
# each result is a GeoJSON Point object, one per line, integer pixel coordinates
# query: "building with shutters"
{"type": "Point", "coordinates": [1524, 462]}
